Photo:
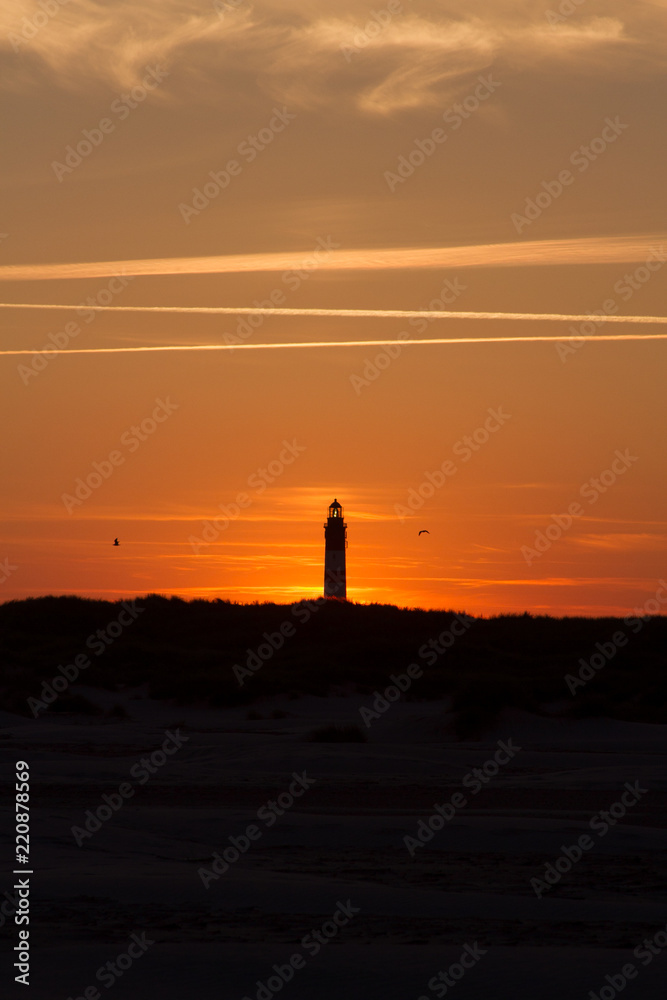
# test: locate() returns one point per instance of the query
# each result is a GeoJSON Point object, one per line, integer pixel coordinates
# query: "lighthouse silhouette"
{"type": "Point", "coordinates": [335, 543]}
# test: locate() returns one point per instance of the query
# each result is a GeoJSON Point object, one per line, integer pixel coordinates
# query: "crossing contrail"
{"type": "Point", "coordinates": [349, 313]}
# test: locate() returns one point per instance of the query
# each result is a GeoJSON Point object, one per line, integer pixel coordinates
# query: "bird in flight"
{"type": "Point", "coordinates": [116, 542]}
{"type": "Point", "coordinates": [424, 532]}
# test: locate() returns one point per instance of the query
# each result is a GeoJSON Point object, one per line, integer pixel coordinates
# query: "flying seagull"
{"type": "Point", "coordinates": [116, 542]}
{"type": "Point", "coordinates": [424, 532]}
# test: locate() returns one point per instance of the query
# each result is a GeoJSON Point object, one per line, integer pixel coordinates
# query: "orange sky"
{"type": "Point", "coordinates": [335, 106]}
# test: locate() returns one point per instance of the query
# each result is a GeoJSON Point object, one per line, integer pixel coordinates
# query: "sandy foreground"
{"type": "Point", "coordinates": [321, 897]}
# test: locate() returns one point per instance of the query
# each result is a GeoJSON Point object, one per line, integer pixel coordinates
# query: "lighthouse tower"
{"type": "Point", "coordinates": [335, 543]}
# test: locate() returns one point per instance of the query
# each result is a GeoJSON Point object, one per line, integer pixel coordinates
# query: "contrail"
{"type": "Point", "coordinates": [349, 313]}
{"type": "Point", "coordinates": [337, 343]}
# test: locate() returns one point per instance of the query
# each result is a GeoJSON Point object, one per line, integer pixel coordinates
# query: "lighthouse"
{"type": "Point", "coordinates": [335, 543]}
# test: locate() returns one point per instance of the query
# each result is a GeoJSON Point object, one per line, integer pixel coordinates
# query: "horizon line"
{"type": "Point", "coordinates": [171, 595]}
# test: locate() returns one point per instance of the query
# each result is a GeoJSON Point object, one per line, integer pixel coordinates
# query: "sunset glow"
{"type": "Point", "coordinates": [295, 265]}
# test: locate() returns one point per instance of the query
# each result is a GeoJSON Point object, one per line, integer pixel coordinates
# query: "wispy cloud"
{"type": "Point", "coordinates": [408, 64]}
{"type": "Point", "coordinates": [418, 60]}
{"type": "Point", "coordinates": [87, 40]}
{"type": "Point", "coordinates": [293, 51]}
{"type": "Point", "coordinates": [622, 542]}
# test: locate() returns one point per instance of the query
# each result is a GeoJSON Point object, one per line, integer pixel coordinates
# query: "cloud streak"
{"type": "Point", "coordinates": [584, 250]}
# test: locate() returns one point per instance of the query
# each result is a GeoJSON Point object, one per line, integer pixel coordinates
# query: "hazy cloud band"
{"type": "Point", "coordinates": [587, 250]}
